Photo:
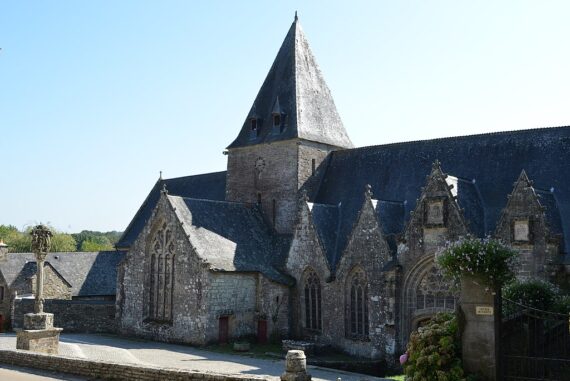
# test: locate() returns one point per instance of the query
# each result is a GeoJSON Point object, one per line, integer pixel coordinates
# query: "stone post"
{"type": "Point", "coordinates": [295, 367]}
{"type": "Point", "coordinates": [39, 334]}
{"type": "Point", "coordinates": [39, 304]}
{"type": "Point", "coordinates": [480, 334]}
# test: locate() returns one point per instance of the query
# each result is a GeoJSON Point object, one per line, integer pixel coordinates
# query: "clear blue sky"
{"type": "Point", "coordinates": [96, 97]}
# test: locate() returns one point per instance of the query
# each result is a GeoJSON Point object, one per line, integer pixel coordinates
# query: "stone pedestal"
{"type": "Point", "coordinates": [295, 367]}
{"type": "Point", "coordinates": [39, 334]}
{"type": "Point", "coordinates": [480, 338]}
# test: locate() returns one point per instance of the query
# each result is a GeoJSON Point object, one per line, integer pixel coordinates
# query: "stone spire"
{"type": "Point", "coordinates": [305, 102]}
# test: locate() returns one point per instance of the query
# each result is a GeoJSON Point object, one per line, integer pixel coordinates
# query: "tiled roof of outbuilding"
{"type": "Point", "coordinates": [88, 273]}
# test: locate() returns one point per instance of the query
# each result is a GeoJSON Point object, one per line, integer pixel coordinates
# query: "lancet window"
{"type": "Point", "coordinates": [358, 305]}
{"type": "Point", "coordinates": [161, 275]}
{"type": "Point", "coordinates": [313, 302]}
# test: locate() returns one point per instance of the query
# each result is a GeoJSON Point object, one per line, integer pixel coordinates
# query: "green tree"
{"type": "Point", "coordinates": [61, 242]}
{"type": "Point", "coordinates": [96, 243]}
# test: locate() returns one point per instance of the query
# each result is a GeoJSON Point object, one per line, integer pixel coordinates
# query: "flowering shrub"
{"type": "Point", "coordinates": [433, 351]}
{"type": "Point", "coordinates": [538, 294]}
{"type": "Point", "coordinates": [487, 259]}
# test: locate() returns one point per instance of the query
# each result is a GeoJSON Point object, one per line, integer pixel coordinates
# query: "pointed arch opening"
{"type": "Point", "coordinates": [312, 298]}
{"type": "Point", "coordinates": [160, 274]}
{"type": "Point", "coordinates": [357, 320]}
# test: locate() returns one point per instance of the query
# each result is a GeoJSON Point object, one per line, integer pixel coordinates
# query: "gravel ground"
{"type": "Point", "coordinates": [127, 351]}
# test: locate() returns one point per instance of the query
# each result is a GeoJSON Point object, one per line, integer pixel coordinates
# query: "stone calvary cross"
{"type": "Point", "coordinates": [39, 334]}
{"type": "Point", "coordinates": [41, 243]}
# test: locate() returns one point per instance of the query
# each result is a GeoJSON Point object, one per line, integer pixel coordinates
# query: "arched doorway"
{"type": "Point", "coordinates": [425, 293]}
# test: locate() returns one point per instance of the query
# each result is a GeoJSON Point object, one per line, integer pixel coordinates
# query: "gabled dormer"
{"type": "Point", "coordinates": [523, 225]}
{"type": "Point", "coordinates": [437, 216]}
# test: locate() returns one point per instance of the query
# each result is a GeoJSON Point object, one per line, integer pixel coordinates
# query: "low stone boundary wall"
{"type": "Point", "coordinates": [112, 371]}
{"type": "Point", "coordinates": [79, 316]}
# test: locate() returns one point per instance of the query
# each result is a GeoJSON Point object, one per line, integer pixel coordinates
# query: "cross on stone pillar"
{"type": "Point", "coordinates": [41, 243]}
{"type": "Point", "coordinates": [39, 334]}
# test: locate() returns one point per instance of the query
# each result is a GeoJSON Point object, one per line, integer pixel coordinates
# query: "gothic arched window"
{"type": "Point", "coordinates": [434, 292]}
{"type": "Point", "coordinates": [358, 304]}
{"type": "Point", "coordinates": [161, 275]}
{"type": "Point", "coordinates": [313, 302]}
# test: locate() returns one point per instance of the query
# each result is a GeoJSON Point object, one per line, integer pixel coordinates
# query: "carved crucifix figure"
{"type": "Point", "coordinates": [41, 242]}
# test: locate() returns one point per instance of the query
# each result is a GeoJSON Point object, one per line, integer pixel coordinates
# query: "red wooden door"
{"type": "Point", "coordinates": [262, 331]}
{"type": "Point", "coordinates": [224, 328]}
{"type": "Point", "coordinates": [1, 323]}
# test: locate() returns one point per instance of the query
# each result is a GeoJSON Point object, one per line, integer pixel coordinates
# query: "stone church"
{"type": "Point", "coordinates": [306, 237]}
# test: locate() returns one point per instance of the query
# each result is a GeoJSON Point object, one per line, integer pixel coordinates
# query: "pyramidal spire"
{"type": "Point", "coordinates": [307, 109]}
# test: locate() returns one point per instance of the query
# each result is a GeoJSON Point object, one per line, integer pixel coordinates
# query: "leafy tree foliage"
{"type": "Point", "coordinates": [537, 294]}
{"type": "Point", "coordinates": [89, 240]}
{"type": "Point", "coordinates": [96, 243]}
{"type": "Point", "coordinates": [21, 241]}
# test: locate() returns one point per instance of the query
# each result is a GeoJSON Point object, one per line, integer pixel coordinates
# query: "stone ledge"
{"type": "Point", "coordinates": [113, 371]}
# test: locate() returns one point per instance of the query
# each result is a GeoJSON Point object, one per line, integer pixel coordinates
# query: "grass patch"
{"type": "Point", "coordinates": [400, 377]}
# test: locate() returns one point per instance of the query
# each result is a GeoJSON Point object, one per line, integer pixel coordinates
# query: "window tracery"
{"type": "Point", "coordinates": [161, 275]}
{"type": "Point", "coordinates": [313, 302]}
{"type": "Point", "coordinates": [358, 305]}
{"type": "Point", "coordinates": [434, 292]}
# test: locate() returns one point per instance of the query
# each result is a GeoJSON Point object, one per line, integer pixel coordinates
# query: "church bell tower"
{"type": "Point", "coordinates": [291, 127]}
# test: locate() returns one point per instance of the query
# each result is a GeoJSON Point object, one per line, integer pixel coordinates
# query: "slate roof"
{"type": "Point", "coordinates": [326, 221]}
{"type": "Point", "coordinates": [398, 172]}
{"type": "Point", "coordinates": [296, 89]}
{"type": "Point", "coordinates": [88, 273]}
{"type": "Point", "coordinates": [211, 186]}
{"type": "Point", "coordinates": [232, 236]}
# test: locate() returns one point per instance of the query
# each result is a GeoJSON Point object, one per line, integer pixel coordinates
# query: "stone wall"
{"type": "Point", "coordinates": [232, 295]}
{"type": "Point", "coordinates": [54, 285]}
{"type": "Point", "coordinates": [111, 371]}
{"type": "Point", "coordinates": [275, 171]}
{"type": "Point", "coordinates": [5, 302]}
{"type": "Point", "coordinates": [368, 252]}
{"type": "Point", "coordinates": [190, 290]}
{"type": "Point", "coordinates": [72, 315]}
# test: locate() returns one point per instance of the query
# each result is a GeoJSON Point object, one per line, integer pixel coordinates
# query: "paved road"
{"type": "Point", "coordinates": [12, 373]}
{"type": "Point", "coordinates": [121, 350]}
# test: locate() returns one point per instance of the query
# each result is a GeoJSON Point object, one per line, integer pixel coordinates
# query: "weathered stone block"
{"type": "Point", "coordinates": [44, 340]}
{"type": "Point", "coordinates": [40, 321]}
{"type": "Point", "coordinates": [295, 367]}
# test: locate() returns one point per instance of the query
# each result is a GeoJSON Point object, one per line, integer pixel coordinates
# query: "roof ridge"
{"type": "Point", "coordinates": [446, 138]}
{"type": "Point", "coordinates": [200, 174]}
{"type": "Point", "coordinates": [214, 201]}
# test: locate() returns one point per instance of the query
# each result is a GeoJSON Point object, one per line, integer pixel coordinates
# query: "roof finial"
{"type": "Point", "coordinates": [160, 175]}
{"type": "Point", "coordinates": [296, 18]}
{"type": "Point", "coordinates": [304, 195]}
{"type": "Point", "coordinates": [368, 191]}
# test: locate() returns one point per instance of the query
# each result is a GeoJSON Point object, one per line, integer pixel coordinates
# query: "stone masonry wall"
{"type": "Point", "coordinates": [273, 305]}
{"type": "Point", "coordinates": [54, 286]}
{"type": "Point", "coordinates": [368, 251]}
{"type": "Point", "coordinates": [276, 171]}
{"type": "Point", "coordinates": [274, 177]}
{"type": "Point", "coordinates": [72, 315]}
{"type": "Point", "coordinates": [191, 282]}
{"type": "Point", "coordinates": [111, 371]}
{"type": "Point", "coordinates": [231, 295]}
